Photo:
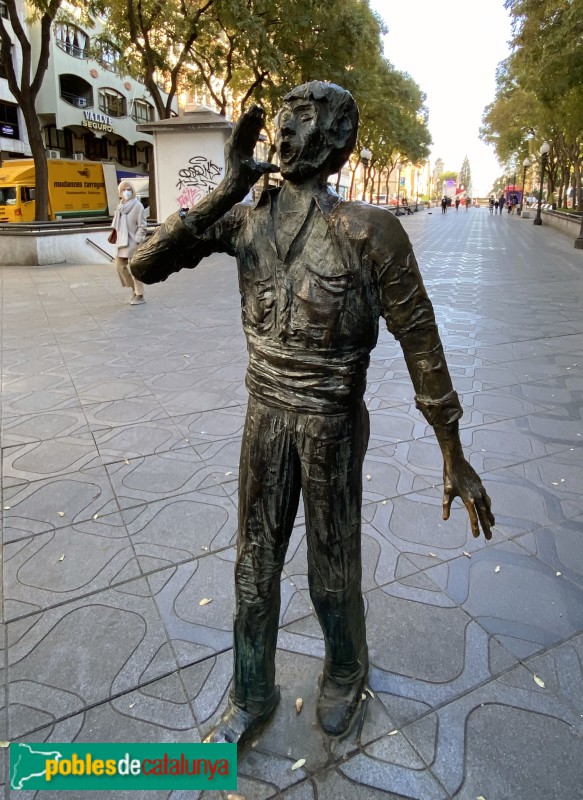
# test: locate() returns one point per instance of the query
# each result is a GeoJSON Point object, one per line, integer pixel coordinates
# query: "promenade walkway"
{"type": "Point", "coordinates": [120, 433]}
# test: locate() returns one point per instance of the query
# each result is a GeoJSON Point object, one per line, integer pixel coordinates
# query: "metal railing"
{"type": "Point", "coordinates": [72, 49]}
{"type": "Point", "coordinates": [76, 100]}
{"type": "Point", "coordinates": [101, 250]}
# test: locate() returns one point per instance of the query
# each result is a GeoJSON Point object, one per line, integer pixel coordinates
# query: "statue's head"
{"type": "Point", "coordinates": [316, 130]}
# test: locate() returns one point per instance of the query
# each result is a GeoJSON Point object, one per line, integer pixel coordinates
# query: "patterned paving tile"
{"type": "Point", "coordinates": [78, 654]}
{"type": "Point", "coordinates": [489, 742]}
{"type": "Point", "coordinates": [181, 528]}
{"type": "Point", "coordinates": [523, 603]}
{"type": "Point", "coordinates": [46, 505]}
{"type": "Point", "coordinates": [52, 568]}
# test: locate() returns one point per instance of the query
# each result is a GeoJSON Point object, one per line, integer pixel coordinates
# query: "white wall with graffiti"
{"type": "Point", "coordinates": [188, 165]}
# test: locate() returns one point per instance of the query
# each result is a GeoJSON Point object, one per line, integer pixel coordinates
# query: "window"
{"type": "Point", "coordinates": [142, 111]}
{"type": "Point", "coordinates": [3, 10]}
{"type": "Point", "coordinates": [76, 91]}
{"type": "Point", "coordinates": [2, 67]}
{"type": "Point", "coordinates": [112, 103]}
{"type": "Point", "coordinates": [126, 154]}
{"type": "Point", "coordinates": [27, 194]}
{"type": "Point", "coordinates": [72, 39]}
{"type": "Point", "coordinates": [109, 56]}
{"type": "Point", "coordinates": [8, 196]}
{"type": "Point", "coordinates": [56, 139]}
{"type": "Point", "coordinates": [9, 121]}
{"type": "Point", "coordinates": [95, 149]}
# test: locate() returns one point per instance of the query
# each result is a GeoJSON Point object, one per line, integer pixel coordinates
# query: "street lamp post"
{"type": "Point", "coordinates": [365, 157]}
{"type": "Point", "coordinates": [525, 166]}
{"type": "Point", "coordinates": [544, 153]}
{"type": "Point", "coordinates": [398, 212]}
{"type": "Point", "coordinates": [417, 195]}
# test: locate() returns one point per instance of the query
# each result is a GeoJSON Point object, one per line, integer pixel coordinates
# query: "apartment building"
{"type": "Point", "coordinates": [88, 109]}
{"type": "Point", "coordinates": [13, 136]}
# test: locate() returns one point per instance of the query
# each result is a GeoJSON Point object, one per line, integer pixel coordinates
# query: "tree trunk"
{"type": "Point", "coordinates": [577, 181]}
{"type": "Point", "coordinates": [39, 155]}
{"type": "Point", "coordinates": [352, 180]}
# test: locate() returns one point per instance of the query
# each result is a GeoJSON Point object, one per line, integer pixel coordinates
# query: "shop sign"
{"type": "Point", "coordinates": [97, 122]}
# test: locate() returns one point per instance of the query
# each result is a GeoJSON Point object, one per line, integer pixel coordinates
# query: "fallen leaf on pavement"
{"type": "Point", "coordinates": [205, 601]}
{"type": "Point", "coordinates": [468, 555]}
{"type": "Point", "coordinates": [497, 569]}
{"type": "Point", "coordinates": [539, 681]}
{"type": "Point", "coordinates": [61, 513]}
{"type": "Point", "coordinates": [299, 704]}
{"type": "Point", "coordinates": [299, 763]}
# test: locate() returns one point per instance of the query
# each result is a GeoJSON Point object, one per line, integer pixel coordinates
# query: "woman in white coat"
{"type": "Point", "coordinates": [130, 224]}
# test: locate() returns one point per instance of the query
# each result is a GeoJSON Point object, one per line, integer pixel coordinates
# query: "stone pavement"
{"type": "Point", "coordinates": [120, 444]}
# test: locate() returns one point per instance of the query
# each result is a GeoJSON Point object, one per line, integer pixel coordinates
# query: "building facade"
{"type": "Point", "coordinates": [13, 135]}
{"type": "Point", "coordinates": [87, 108]}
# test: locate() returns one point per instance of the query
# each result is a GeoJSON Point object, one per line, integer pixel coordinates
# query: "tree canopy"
{"type": "Point", "coordinates": [539, 93]}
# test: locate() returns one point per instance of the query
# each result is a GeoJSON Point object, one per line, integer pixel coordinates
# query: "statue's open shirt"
{"type": "Point", "coordinates": [310, 313]}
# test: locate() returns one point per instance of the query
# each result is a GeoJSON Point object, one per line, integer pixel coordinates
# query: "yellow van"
{"type": "Point", "coordinates": [76, 189]}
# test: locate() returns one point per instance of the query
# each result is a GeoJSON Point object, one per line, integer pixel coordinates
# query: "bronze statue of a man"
{"type": "Point", "coordinates": [315, 275]}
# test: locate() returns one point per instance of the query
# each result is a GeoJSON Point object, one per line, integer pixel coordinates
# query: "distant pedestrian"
{"type": "Point", "coordinates": [444, 204]}
{"type": "Point", "coordinates": [491, 203]}
{"type": "Point", "coordinates": [502, 201]}
{"type": "Point", "coordinates": [130, 225]}
{"type": "Point", "coordinates": [468, 203]}
{"type": "Point", "coordinates": [496, 205]}
{"type": "Point", "coordinates": [457, 204]}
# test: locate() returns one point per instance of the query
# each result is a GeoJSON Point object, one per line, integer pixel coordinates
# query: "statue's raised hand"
{"type": "Point", "coordinates": [242, 171]}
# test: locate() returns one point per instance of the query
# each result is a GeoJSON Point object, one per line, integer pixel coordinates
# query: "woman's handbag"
{"type": "Point", "coordinates": [112, 238]}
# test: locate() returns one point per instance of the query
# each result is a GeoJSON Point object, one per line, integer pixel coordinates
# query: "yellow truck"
{"type": "Point", "coordinates": [76, 189]}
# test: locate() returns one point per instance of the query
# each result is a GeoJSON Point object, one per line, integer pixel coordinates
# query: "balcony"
{"type": "Point", "coordinates": [75, 91]}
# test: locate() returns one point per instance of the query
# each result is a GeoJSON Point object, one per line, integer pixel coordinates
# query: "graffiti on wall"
{"type": "Point", "coordinates": [196, 180]}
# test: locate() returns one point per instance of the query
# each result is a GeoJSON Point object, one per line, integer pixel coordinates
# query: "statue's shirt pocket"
{"type": "Point", "coordinates": [319, 300]}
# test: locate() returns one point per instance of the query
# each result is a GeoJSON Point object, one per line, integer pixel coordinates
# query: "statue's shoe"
{"type": "Point", "coordinates": [237, 726]}
{"type": "Point", "coordinates": [338, 705]}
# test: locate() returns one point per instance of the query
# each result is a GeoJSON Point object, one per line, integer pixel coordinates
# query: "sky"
{"type": "Point", "coordinates": [451, 49]}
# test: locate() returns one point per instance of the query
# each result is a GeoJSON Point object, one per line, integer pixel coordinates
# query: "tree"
{"type": "Point", "coordinates": [155, 38]}
{"type": "Point", "coordinates": [540, 90]}
{"type": "Point", "coordinates": [26, 83]}
{"type": "Point", "coordinates": [465, 177]}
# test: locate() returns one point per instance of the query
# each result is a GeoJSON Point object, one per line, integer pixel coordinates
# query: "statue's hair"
{"type": "Point", "coordinates": [338, 113]}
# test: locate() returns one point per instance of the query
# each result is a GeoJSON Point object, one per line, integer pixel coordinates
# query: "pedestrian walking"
{"type": "Point", "coordinates": [491, 203]}
{"type": "Point", "coordinates": [129, 229]}
{"type": "Point", "coordinates": [457, 204]}
{"type": "Point", "coordinates": [444, 204]}
{"type": "Point", "coordinates": [468, 203]}
{"type": "Point", "coordinates": [501, 202]}
{"type": "Point", "coordinates": [496, 206]}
